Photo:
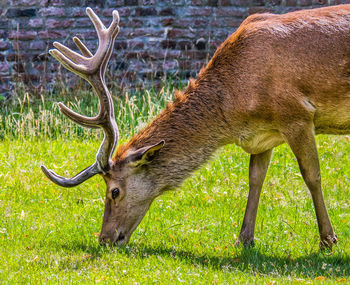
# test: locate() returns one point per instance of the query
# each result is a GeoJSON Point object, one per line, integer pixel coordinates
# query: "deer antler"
{"type": "Point", "coordinates": [92, 68]}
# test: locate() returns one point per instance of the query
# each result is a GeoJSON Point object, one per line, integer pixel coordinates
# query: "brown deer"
{"type": "Point", "coordinates": [277, 79]}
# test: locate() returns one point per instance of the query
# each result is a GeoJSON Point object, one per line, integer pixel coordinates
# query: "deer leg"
{"type": "Point", "coordinates": [302, 142]}
{"type": "Point", "coordinates": [258, 166]}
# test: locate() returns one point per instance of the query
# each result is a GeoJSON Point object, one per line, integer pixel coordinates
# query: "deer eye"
{"type": "Point", "coordinates": [115, 193]}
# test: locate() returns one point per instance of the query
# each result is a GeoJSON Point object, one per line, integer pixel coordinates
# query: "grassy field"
{"type": "Point", "coordinates": [50, 234]}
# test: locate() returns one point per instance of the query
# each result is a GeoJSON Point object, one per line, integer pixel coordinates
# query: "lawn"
{"type": "Point", "coordinates": [50, 234]}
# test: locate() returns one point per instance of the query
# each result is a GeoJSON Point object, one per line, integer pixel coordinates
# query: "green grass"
{"type": "Point", "coordinates": [48, 233]}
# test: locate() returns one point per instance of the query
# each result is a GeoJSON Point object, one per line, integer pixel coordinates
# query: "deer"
{"type": "Point", "coordinates": [277, 79]}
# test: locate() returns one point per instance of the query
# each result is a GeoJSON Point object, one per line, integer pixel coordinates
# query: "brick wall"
{"type": "Point", "coordinates": [157, 37]}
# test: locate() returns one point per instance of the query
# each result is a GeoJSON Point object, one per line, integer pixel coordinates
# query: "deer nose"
{"type": "Point", "coordinates": [104, 239]}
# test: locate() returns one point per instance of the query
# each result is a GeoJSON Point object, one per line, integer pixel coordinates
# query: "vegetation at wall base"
{"type": "Point", "coordinates": [50, 234]}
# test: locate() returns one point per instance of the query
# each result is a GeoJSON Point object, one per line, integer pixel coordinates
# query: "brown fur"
{"type": "Point", "coordinates": [278, 78]}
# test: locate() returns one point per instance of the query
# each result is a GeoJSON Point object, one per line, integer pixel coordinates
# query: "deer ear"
{"type": "Point", "coordinates": [145, 154]}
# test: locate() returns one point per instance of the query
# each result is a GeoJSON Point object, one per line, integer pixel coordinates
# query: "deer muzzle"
{"type": "Point", "coordinates": [113, 238]}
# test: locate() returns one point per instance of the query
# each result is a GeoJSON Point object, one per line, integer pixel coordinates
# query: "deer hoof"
{"type": "Point", "coordinates": [328, 242]}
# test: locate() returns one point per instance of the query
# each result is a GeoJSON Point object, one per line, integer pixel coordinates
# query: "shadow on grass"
{"type": "Point", "coordinates": [248, 259]}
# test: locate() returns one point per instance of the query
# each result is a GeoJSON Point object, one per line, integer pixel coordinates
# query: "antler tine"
{"type": "Point", "coordinates": [113, 27]}
{"type": "Point", "coordinates": [79, 119]}
{"type": "Point", "coordinates": [71, 182]}
{"type": "Point", "coordinates": [91, 68]}
{"type": "Point", "coordinates": [99, 26]}
{"type": "Point", "coordinates": [84, 50]}
{"type": "Point", "coordinates": [67, 63]}
{"type": "Point", "coordinates": [72, 55]}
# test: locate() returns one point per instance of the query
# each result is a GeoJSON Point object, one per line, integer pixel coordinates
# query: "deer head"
{"type": "Point", "coordinates": [129, 190]}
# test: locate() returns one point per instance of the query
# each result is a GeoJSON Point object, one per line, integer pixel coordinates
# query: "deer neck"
{"type": "Point", "coordinates": [192, 127]}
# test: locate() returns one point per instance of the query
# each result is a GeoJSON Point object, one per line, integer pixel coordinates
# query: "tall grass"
{"type": "Point", "coordinates": [29, 118]}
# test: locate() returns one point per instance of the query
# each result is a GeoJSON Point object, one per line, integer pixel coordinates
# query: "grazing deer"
{"type": "Point", "coordinates": [277, 79]}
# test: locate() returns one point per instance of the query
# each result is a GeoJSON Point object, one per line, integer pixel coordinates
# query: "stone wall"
{"type": "Point", "coordinates": [157, 37]}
